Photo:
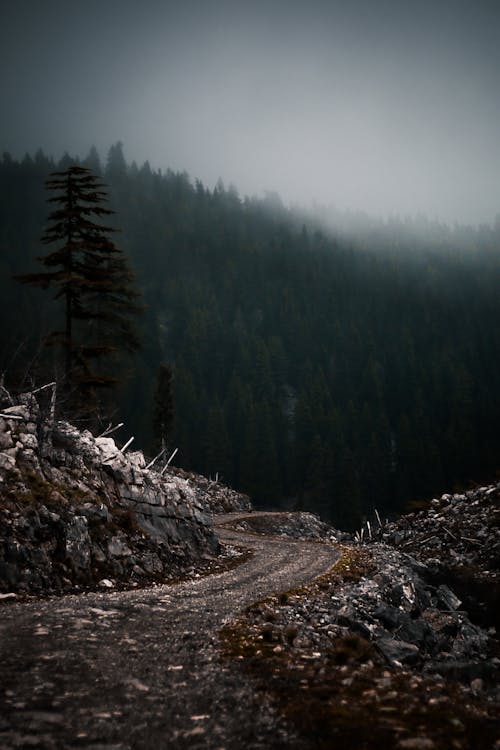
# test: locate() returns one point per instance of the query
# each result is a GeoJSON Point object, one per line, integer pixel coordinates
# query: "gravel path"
{"type": "Point", "coordinates": [141, 669]}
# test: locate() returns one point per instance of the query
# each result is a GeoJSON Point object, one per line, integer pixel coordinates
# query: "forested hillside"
{"type": "Point", "coordinates": [340, 375]}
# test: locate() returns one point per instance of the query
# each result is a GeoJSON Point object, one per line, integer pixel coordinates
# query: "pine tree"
{"type": "Point", "coordinates": [92, 277]}
{"type": "Point", "coordinates": [163, 407]}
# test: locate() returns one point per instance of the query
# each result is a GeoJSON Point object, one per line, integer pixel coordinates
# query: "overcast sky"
{"type": "Point", "coordinates": [387, 106]}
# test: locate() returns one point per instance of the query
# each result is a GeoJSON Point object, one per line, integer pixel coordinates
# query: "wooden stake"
{"type": "Point", "coordinates": [110, 429]}
{"type": "Point", "coordinates": [168, 462]}
{"type": "Point", "coordinates": [122, 450]}
{"type": "Point", "coordinates": [156, 458]}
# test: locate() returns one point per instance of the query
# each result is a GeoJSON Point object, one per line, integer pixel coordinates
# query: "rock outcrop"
{"type": "Point", "coordinates": [76, 511]}
{"type": "Point", "coordinates": [213, 496]}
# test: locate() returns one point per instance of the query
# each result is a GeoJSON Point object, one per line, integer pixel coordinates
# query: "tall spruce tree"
{"type": "Point", "coordinates": [92, 277]}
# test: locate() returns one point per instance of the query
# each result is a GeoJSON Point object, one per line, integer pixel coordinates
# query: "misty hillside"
{"type": "Point", "coordinates": [334, 374]}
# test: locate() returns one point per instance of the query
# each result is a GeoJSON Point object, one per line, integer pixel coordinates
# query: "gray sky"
{"type": "Point", "coordinates": [387, 106]}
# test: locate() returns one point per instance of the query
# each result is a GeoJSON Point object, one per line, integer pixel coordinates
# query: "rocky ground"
{"type": "Point", "coordinates": [455, 529]}
{"type": "Point", "coordinates": [457, 536]}
{"type": "Point", "coordinates": [373, 656]}
{"type": "Point", "coordinates": [293, 525]}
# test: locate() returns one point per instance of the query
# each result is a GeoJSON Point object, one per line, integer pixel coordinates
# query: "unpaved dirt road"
{"type": "Point", "coordinates": [142, 669]}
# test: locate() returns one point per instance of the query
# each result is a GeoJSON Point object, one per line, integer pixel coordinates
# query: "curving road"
{"type": "Point", "coordinates": [141, 669]}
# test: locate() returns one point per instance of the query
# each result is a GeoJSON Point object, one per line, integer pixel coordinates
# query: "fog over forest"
{"type": "Point", "coordinates": [309, 196]}
{"type": "Point", "coordinates": [389, 107]}
{"type": "Point", "coordinates": [307, 369]}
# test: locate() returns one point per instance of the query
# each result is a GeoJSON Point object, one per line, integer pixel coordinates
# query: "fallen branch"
{"type": "Point", "coordinates": [420, 541]}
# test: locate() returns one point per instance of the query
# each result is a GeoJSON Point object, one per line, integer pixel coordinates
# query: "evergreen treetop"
{"type": "Point", "coordinates": [92, 277]}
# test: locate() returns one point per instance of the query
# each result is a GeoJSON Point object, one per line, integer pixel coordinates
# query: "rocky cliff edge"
{"type": "Point", "coordinates": [77, 512]}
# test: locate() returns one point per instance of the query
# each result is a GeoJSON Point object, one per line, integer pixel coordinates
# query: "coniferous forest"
{"type": "Point", "coordinates": [334, 371]}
